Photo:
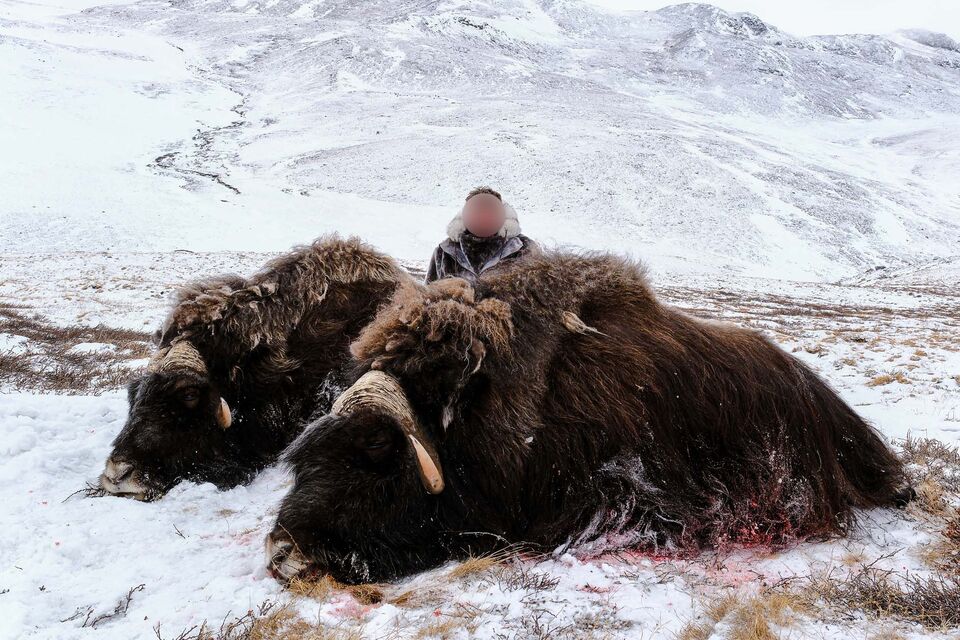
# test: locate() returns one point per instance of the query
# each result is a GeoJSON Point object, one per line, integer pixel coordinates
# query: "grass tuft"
{"type": "Point", "coordinates": [888, 378]}
{"type": "Point", "coordinates": [933, 602]}
{"type": "Point", "coordinates": [325, 587]}
{"type": "Point", "coordinates": [745, 617]}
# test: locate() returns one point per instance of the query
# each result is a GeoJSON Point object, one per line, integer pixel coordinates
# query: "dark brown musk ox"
{"type": "Point", "coordinates": [560, 405]}
{"type": "Point", "coordinates": [243, 364]}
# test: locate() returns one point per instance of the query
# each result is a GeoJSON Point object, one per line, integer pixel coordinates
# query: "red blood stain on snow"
{"type": "Point", "coordinates": [247, 537]}
{"type": "Point", "coordinates": [733, 566]}
{"type": "Point", "coordinates": [346, 606]}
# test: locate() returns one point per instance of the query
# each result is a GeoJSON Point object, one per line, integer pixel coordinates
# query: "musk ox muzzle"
{"type": "Point", "coordinates": [382, 392]}
{"type": "Point", "coordinates": [120, 478]}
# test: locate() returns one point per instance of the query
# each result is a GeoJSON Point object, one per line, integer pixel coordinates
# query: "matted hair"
{"type": "Point", "coordinates": [478, 190]}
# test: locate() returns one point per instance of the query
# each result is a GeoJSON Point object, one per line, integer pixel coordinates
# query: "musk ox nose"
{"type": "Point", "coordinates": [117, 472]}
{"type": "Point", "coordinates": [119, 478]}
{"type": "Point", "coordinates": [285, 561]}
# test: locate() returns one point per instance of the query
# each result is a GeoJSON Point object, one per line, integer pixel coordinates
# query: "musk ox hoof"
{"type": "Point", "coordinates": [284, 560]}
{"type": "Point", "coordinates": [121, 479]}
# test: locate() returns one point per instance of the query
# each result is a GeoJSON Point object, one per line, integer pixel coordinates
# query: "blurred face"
{"type": "Point", "coordinates": [484, 215]}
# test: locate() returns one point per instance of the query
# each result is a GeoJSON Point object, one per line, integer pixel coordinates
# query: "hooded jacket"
{"type": "Point", "coordinates": [463, 255]}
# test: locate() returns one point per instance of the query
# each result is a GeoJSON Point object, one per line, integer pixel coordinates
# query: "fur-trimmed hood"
{"type": "Point", "coordinates": [511, 226]}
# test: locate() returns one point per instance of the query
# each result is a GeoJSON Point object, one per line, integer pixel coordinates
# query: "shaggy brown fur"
{"type": "Point", "coordinates": [274, 346]}
{"type": "Point", "coordinates": [569, 407]}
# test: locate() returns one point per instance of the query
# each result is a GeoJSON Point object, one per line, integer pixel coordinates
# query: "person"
{"type": "Point", "coordinates": [483, 236]}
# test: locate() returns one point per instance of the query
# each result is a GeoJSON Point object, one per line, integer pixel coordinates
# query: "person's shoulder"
{"type": "Point", "coordinates": [529, 244]}
{"type": "Point", "coordinates": [445, 246]}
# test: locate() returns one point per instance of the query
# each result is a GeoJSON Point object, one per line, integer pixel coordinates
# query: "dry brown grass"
{"type": "Point", "coordinates": [518, 576]}
{"type": "Point", "coordinates": [853, 558]}
{"type": "Point", "coordinates": [943, 554]}
{"type": "Point", "coordinates": [931, 601]}
{"type": "Point", "coordinates": [933, 463]}
{"type": "Point", "coordinates": [714, 611]}
{"type": "Point", "coordinates": [449, 627]}
{"type": "Point", "coordinates": [747, 617]}
{"type": "Point", "coordinates": [431, 592]}
{"type": "Point", "coordinates": [434, 592]}
{"type": "Point", "coordinates": [931, 498]}
{"type": "Point", "coordinates": [286, 625]}
{"type": "Point", "coordinates": [49, 362]}
{"type": "Point", "coordinates": [752, 620]}
{"type": "Point", "coordinates": [325, 587]}
{"type": "Point", "coordinates": [888, 378]}
{"type": "Point", "coordinates": [480, 564]}
{"type": "Point", "coordinates": [270, 621]}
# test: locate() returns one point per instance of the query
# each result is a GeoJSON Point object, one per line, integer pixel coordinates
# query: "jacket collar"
{"type": "Point", "coordinates": [454, 249]}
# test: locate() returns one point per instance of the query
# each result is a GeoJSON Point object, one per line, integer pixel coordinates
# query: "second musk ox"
{"type": "Point", "coordinates": [560, 404]}
{"type": "Point", "coordinates": [243, 364]}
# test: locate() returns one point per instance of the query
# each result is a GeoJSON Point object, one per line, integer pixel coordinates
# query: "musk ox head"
{"type": "Point", "coordinates": [175, 429]}
{"type": "Point", "coordinates": [369, 483]}
{"type": "Point", "coordinates": [363, 505]}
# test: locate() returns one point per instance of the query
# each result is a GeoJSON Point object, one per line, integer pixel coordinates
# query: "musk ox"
{"type": "Point", "coordinates": [243, 364]}
{"type": "Point", "coordinates": [560, 404]}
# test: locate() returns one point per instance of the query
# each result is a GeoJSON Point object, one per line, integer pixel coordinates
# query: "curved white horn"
{"type": "Point", "coordinates": [224, 416]}
{"type": "Point", "coordinates": [382, 391]}
{"type": "Point", "coordinates": [180, 357]}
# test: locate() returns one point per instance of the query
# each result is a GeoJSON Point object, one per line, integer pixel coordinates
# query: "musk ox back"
{"type": "Point", "coordinates": [560, 404]}
{"type": "Point", "coordinates": [243, 364]}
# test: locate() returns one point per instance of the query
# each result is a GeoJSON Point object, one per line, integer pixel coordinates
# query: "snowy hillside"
{"type": "Point", "coordinates": [697, 139]}
{"type": "Point", "coordinates": [806, 187]}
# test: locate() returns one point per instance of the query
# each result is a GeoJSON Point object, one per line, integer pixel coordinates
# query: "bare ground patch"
{"type": "Point", "coordinates": [73, 360]}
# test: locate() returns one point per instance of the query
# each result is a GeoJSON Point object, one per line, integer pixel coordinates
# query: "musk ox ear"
{"type": "Point", "coordinates": [477, 353]}
{"type": "Point", "coordinates": [224, 416]}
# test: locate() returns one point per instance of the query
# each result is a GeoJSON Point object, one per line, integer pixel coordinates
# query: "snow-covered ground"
{"type": "Point", "coordinates": [804, 186]}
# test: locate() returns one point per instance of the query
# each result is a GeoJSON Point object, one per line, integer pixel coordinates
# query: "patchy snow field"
{"type": "Point", "coordinates": [69, 560]}
{"type": "Point", "coordinates": [803, 186]}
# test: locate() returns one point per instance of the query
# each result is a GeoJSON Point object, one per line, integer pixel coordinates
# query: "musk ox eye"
{"type": "Point", "coordinates": [377, 445]}
{"type": "Point", "coordinates": [190, 396]}
{"type": "Point", "coordinates": [377, 448]}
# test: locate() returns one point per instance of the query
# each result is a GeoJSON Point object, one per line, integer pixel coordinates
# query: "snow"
{"type": "Point", "coordinates": [803, 186]}
{"type": "Point", "coordinates": [71, 553]}
{"type": "Point", "coordinates": [13, 344]}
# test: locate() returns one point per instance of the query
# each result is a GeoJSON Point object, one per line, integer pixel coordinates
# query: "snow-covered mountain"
{"type": "Point", "coordinates": [699, 139]}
